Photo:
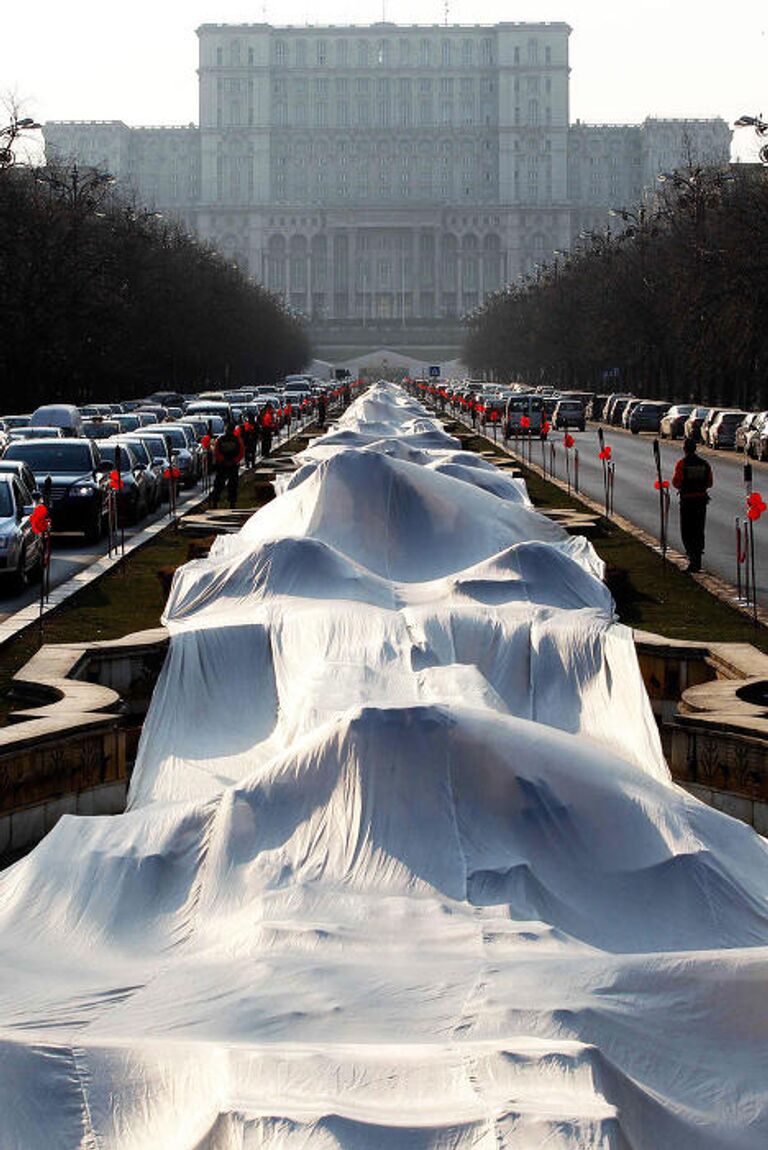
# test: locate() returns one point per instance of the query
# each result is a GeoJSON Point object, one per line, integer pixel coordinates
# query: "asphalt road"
{"type": "Point", "coordinates": [636, 499]}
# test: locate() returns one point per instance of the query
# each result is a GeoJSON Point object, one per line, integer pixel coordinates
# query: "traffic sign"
{"type": "Point", "coordinates": [434, 371]}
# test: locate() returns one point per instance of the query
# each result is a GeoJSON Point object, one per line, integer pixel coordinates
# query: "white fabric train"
{"type": "Point", "coordinates": [403, 867]}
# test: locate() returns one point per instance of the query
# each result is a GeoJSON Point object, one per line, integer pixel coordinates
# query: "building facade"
{"type": "Point", "coordinates": [387, 172]}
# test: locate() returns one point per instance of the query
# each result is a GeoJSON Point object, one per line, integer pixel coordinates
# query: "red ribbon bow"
{"type": "Point", "coordinates": [525, 422]}
{"type": "Point", "coordinates": [40, 519]}
{"type": "Point", "coordinates": [569, 441]}
{"type": "Point", "coordinates": [663, 484]}
{"type": "Point", "coordinates": [605, 453]}
{"type": "Point", "coordinates": [755, 506]}
{"type": "Point", "coordinates": [115, 481]}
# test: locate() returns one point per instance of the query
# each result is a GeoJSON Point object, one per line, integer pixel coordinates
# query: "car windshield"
{"type": "Point", "coordinates": [68, 458]}
{"type": "Point", "coordinates": [176, 436]}
{"type": "Point", "coordinates": [6, 501]}
{"type": "Point", "coordinates": [140, 451]}
{"type": "Point", "coordinates": [108, 452]}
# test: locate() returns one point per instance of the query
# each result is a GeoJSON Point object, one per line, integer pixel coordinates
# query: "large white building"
{"type": "Point", "coordinates": [388, 172]}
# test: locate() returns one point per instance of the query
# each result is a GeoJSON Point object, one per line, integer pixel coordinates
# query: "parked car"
{"type": "Point", "coordinates": [186, 451]}
{"type": "Point", "coordinates": [133, 498]}
{"type": "Point", "coordinates": [21, 550]}
{"type": "Point", "coordinates": [100, 428]}
{"type": "Point", "coordinates": [627, 410]}
{"type": "Point", "coordinates": [692, 428]}
{"type": "Point", "coordinates": [160, 450]}
{"type": "Point", "coordinates": [617, 410]}
{"type": "Point", "coordinates": [722, 433]}
{"type": "Point", "coordinates": [152, 470]}
{"type": "Point", "coordinates": [672, 424]}
{"type": "Point", "coordinates": [25, 477]}
{"type": "Point", "coordinates": [594, 409]}
{"type": "Point", "coordinates": [79, 489]}
{"type": "Point", "coordinates": [569, 413]}
{"type": "Point", "coordinates": [708, 421]}
{"type": "Point", "coordinates": [209, 407]}
{"type": "Point", "coordinates": [7, 422]}
{"type": "Point", "coordinates": [63, 415]}
{"type": "Point", "coordinates": [519, 406]}
{"type": "Point", "coordinates": [127, 422]}
{"type": "Point", "coordinates": [646, 416]}
{"type": "Point", "coordinates": [611, 402]}
{"type": "Point", "coordinates": [747, 433]}
{"type": "Point", "coordinates": [34, 433]}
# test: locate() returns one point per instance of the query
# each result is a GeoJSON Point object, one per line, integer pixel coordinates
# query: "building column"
{"type": "Point", "coordinates": [351, 253]}
{"type": "Point", "coordinates": [437, 310]}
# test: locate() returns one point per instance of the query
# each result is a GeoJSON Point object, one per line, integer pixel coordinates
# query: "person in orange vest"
{"type": "Point", "coordinates": [692, 478]}
{"type": "Point", "coordinates": [266, 428]}
{"type": "Point", "coordinates": [250, 438]}
{"type": "Point", "coordinates": [228, 452]}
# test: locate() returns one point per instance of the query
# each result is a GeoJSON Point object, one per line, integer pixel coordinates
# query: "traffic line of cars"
{"type": "Point", "coordinates": [68, 457]}
{"type": "Point", "coordinates": [536, 411]}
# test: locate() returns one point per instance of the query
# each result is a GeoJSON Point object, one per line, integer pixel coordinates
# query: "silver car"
{"type": "Point", "coordinates": [21, 550]}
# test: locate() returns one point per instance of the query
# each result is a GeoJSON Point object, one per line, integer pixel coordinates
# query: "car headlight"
{"type": "Point", "coordinates": [82, 490]}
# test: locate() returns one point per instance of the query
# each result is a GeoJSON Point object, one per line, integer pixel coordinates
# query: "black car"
{"type": "Point", "coordinates": [134, 497]}
{"type": "Point", "coordinates": [79, 487]}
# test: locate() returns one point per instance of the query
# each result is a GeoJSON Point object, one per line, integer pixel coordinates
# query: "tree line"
{"type": "Point", "coordinates": [673, 305]}
{"type": "Point", "coordinates": [101, 299]}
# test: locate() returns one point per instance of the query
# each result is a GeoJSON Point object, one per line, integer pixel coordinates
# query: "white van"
{"type": "Point", "coordinates": [63, 415]}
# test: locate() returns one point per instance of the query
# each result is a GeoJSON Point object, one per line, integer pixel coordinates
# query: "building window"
{"type": "Point", "coordinates": [301, 53]}
{"type": "Point", "coordinates": [467, 53]}
{"type": "Point", "coordinates": [547, 55]}
{"type": "Point", "coordinates": [342, 53]}
{"type": "Point", "coordinates": [321, 53]}
{"type": "Point", "coordinates": [219, 57]}
{"type": "Point", "coordinates": [445, 53]}
{"type": "Point", "coordinates": [425, 54]}
{"type": "Point", "coordinates": [362, 54]}
{"type": "Point", "coordinates": [486, 52]}
{"type": "Point", "coordinates": [250, 57]}
{"type": "Point", "coordinates": [405, 52]}
{"type": "Point", "coordinates": [382, 53]}
{"type": "Point", "coordinates": [533, 51]}
{"type": "Point", "coordinates": [517, 55]}
{"type": "Point", "coordinates": [281, 55]}
{"type": "Point", "coordinates": [533, 111]}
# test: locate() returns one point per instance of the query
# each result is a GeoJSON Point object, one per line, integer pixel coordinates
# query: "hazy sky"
{"type": "Point", "coordinates": [87, 60]}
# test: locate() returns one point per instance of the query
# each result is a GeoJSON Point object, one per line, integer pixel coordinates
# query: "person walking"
{"type": "Point", "coordinates": [692, 479]}
{"type": "Point", "coordinates": [321, 409]}
{"type": "Point", "coordinates": [250, 438]}
{"type": "Point", "coordinates": [228, 454]}
{"type": "Point", "coordinates": [266, 428]}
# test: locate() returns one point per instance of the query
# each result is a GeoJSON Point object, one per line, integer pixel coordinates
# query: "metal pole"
{"type": "Point", "coordinates": [738, 558]}
{"type": "Point", "coordinates": [662, 524]}
{"type": "Point", "coordinates": [754, 573]}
